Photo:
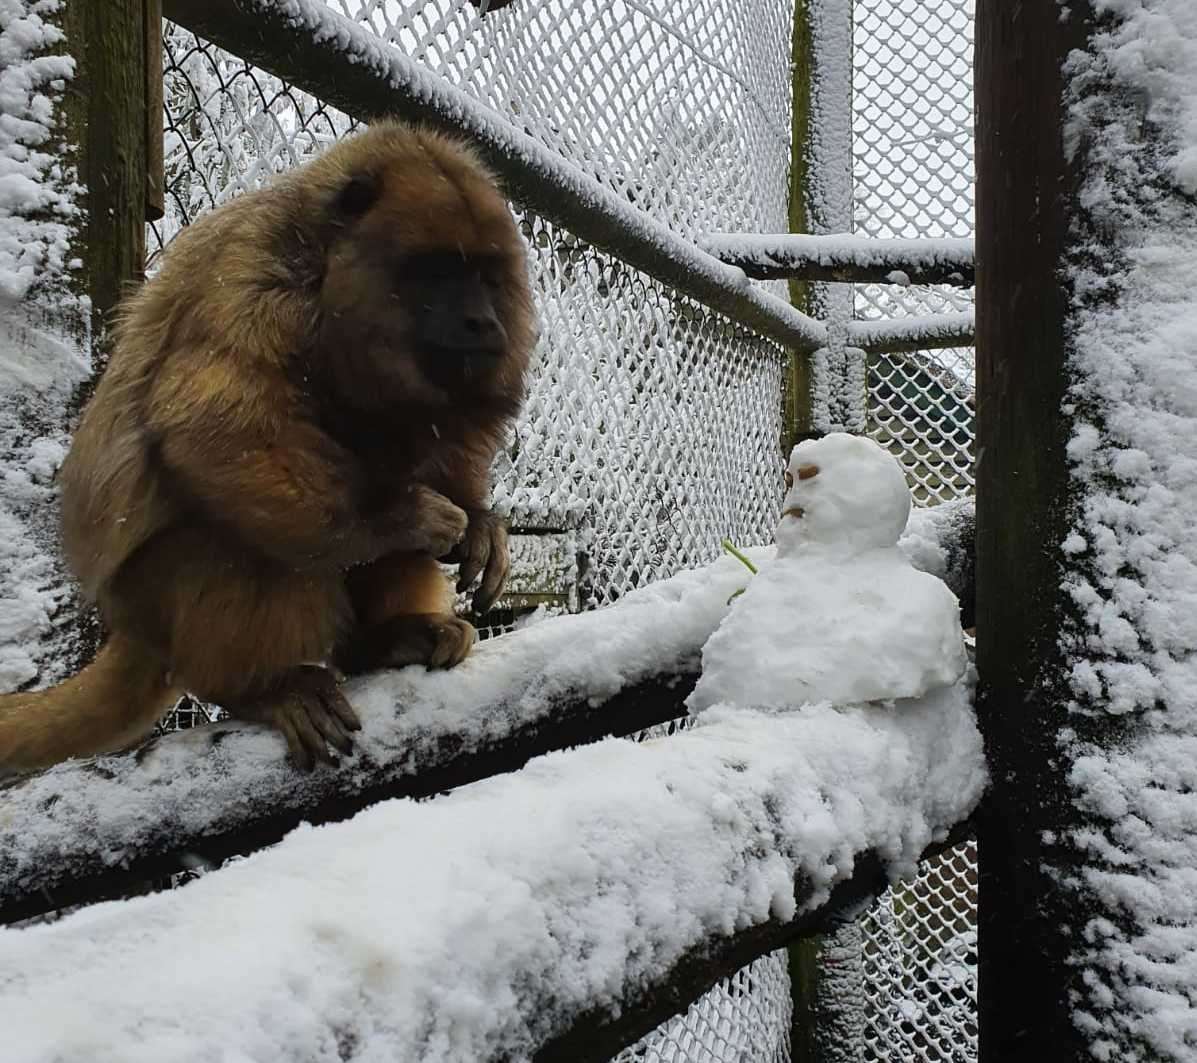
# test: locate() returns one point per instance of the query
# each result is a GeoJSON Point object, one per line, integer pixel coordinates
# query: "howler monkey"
{"type": "Point", "coordinates": [297, 421]}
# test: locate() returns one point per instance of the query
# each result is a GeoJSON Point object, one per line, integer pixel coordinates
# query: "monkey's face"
{"type": "Point", "coordinates": [425, 293]}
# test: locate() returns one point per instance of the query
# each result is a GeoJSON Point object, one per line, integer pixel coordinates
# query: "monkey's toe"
{"type": "Point", "coordinates": [309, 710]}
{"type": "Point", "coordinates": [454, 638]}
{"type": "Point", "coordinates": [420, 638]}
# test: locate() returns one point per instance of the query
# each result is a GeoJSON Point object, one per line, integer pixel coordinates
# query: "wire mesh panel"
{"type": "Point", "coordinates": [913, 177]}
{"type": "Point", "coordinates": [920, 958]}
{"type": "Point", "coordinates": [745, 1018]}
{"type": "Point", "coordinates": [682, 108]}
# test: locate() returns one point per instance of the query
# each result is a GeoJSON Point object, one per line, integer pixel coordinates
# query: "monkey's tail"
{"type": "Point", "coordinates": [113, 702]}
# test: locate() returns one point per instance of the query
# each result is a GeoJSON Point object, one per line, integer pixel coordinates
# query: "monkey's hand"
{"type": "Point", "coordinates": [309, 709]}
{"type": "Point", "coordinates": [423, 521]}
{"type": "Point", "coordinates": [482, 551]}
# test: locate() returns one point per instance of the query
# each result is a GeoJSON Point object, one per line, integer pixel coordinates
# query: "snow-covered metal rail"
{"type": "Point", "coordinates": [89, 830]}
{"type": "Point", "coordinates": [846, 258]}
{"type": "Point", "coordinates": [922, 333]}
{"type": "Point", "coordinates": [342, 62]}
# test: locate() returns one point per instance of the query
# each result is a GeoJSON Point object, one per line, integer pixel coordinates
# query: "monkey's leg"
{"type": "Point", "coordinates": [244, 632]}
{"type": "Point", "coordinates": [112, 703]}
{"type": "Point", "coordinates": [403, 604]}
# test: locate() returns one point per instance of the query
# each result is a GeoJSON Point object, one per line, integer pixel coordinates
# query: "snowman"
{"type": "Point", "coordinates": [839, 615]}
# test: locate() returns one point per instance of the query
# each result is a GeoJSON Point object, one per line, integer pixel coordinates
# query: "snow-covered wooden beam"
{"type": "Point", "coordinates": [846, 258]}
{"type": "Point", "coordinates": [346, 64]}
{"type": "Point", "coordinates": [596, 1036]}
{"type": "Point", "coordinates": [87, 830]}
{"type": "Point", "coordinates": [515, 917]}
{"type": "Point", "coordinates": [919, 333]}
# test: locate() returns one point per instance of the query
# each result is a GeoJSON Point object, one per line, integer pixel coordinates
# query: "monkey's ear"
{"type": "Point", "coordinates": [357, 195]}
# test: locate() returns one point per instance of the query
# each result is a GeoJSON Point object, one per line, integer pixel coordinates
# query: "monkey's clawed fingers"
{"type": "Point", "coordinates": [438, 524]}
{"type": "Point", "coordinates": [312, 714]}
{"type": "Point", "coordinates": [484, 552]}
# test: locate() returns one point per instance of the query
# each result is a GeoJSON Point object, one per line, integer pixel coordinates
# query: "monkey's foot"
{"type": "Point", "coordinates": [420, 638]}
{"type": "Point", "coordinates": [307, 706]}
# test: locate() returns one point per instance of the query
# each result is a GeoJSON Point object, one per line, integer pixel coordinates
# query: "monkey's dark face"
{"type": "Point", "coordinates": [425, 291]}
{"type": "Point", "coordinates": [455, 319]}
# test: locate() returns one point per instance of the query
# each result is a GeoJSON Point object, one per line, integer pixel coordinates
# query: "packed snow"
{"type": "Point", "coordinates": [39, 368]}
{"type": "Point", "coordinates": [480, 924]}
{"type": "Point", "coordinates": [840, 615]}
{"type": "Point", "coordinates": [36, 200]}
{"type": "Point", "coordinates": [476, 925]}
{"type": "Point", "coordinates": [1132, 552]}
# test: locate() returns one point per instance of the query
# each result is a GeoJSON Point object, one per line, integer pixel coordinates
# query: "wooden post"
{"type": "Point", "coordinates": [1024, 205]}
{"type": "Point", "coordinates": [798, 423]}
{"type": "Point", "coordinates": [108, 41]}
{"type": "Point", "coordinates": [105, 130]}
{"type": "Point", "coordinates": [155, 163]}
{"type": "Point", "coordinates": [797, 415]}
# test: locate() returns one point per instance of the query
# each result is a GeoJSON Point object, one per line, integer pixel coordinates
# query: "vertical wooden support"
{"type": "Point", "coordinates": [798, 419]}
{"type": "Point", "coordinates": [803, 964]}
{"type": "Point", "coordinates": [104, 114]}
{"type": "Point", "coordinates": [803, 959]}
{"type": "Point", "coordinates": [108, 41]}
{"type": "Point", "coordinates": [1024, 205]}
{"type": "Point", "coordinates": [155, 163]}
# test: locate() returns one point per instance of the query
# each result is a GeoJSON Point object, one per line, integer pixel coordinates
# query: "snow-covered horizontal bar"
{"type": "Point", "coordinates": [343, 62]}
{"type": "Point", "coordinates": [486, 924]}
{"type": "Point", "coordinates": [86, 829]}
{"type": "Point", "coordinates": [921, 333]}
{"type": "Point", "coordinates": [847, 258]}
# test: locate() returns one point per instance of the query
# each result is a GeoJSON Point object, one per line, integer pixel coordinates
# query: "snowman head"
{"type": "Point", "coordinates": [844, 492]}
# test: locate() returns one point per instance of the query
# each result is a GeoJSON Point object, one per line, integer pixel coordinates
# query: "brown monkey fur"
{"type": "Point", "coordinates": [298, 419]}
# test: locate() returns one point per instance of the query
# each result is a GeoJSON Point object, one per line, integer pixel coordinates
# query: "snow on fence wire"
{"type": "Point", "coordinates": [518, 918]}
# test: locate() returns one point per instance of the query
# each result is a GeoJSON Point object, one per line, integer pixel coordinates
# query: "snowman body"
{"type": "Point", "coordinates": [840, 615]}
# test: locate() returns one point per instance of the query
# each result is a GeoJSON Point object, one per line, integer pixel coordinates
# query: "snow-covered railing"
{"type": "Point", "coordinates": [555, 914]}
{"type": "Point", "coordinates": [842, 257]}
{"type": "Point", "coordinates": [340, 61]}
{"type": "Point", "coordinates": [89, 830]}
{"type": "Point", "coordinates": [921, 333]}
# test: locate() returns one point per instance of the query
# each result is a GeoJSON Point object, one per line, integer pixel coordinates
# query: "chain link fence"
{"type": "Point", "coordinates": [912, 114]}
{"type": "Point", "coordinates": [653, 425]}
{"type": "Point", "coordinates": [913, 177]}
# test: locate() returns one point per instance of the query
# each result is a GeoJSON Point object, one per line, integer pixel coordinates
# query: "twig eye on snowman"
{"type": "Point", "coordinates": [839, 615]}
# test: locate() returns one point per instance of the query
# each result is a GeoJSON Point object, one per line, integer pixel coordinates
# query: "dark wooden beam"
{"type": "Point", "coordinates": [1025, 200]}
{"type": "Point", "coordinates": [111, 89]}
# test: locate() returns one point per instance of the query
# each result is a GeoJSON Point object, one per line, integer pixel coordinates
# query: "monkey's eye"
{"type": "Point", "coordinates": [358, 195]}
